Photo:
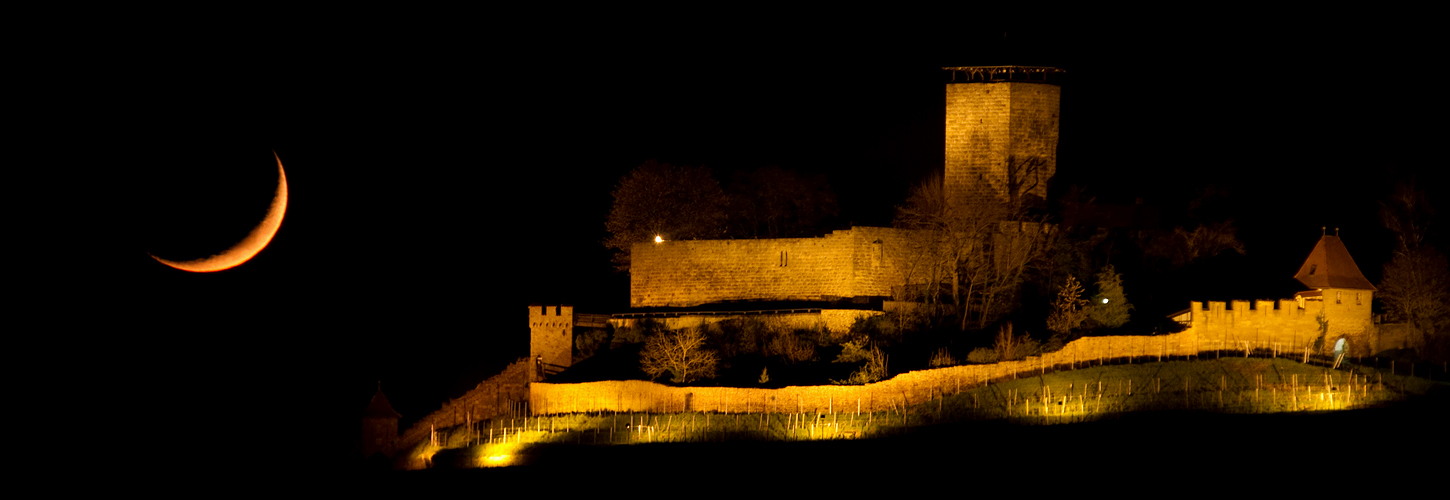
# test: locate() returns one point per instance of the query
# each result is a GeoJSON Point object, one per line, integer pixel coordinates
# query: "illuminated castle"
{"type": "Point", "coordinates": [1001, 141]}
{"type": "Point", "coordinates": [1336, 307]}
{"type": "Point", "coordinates": [1336, 282]}
{"type": "Point", "coordinates": [1001, 131]}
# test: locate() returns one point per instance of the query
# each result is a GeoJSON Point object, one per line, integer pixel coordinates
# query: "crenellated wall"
{"type": "Point", "coordinates": [1284, 325]}
{"type": "Point", "coordinates": [909, 388]}
{"type": "Point", "coordinates": [858, 262]}
{"type": "Point", "coordinates": [551, 329]}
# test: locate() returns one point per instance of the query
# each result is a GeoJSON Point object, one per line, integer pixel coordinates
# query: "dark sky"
{"type": "Point", "coordinates": [439, 185]}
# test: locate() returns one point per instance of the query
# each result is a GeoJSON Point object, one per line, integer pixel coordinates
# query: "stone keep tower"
{"type": "Point", "coordinates": [1001, 131]}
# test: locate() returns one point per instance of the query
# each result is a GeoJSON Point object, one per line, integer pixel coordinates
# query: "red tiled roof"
{"type": "Point", "coordinates": [1330, 266]}
{"type": "Point", "coordinates": [380, 408]}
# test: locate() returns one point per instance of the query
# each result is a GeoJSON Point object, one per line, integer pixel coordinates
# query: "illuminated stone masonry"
{"type": "Point", "coordinates": [1339, 291]}
{"type": "Point", "coordinates": [998, 117]}
{"type": "Point", "coordinates": [858, 262]}
{"type": "Point", "coordinates": [551, 329]}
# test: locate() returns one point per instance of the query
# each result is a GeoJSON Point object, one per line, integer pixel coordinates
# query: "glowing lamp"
{"type": "Point", "coordinates": [1105, 301]}
{"type": "Point", "coordinates": [658, 239]}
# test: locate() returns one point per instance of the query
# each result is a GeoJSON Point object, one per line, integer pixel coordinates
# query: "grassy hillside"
{"type": "Point", "coordinates": [1162, 391]}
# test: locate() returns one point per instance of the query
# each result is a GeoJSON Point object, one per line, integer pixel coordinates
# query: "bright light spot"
{"type": "Point", "coordinates": [498, 454]}
{"type": "Point", "coordinates": [1105, 301]}
{"type": "Point", "coordinates": [658, 239]}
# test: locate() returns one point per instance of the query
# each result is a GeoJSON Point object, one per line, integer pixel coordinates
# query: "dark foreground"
{"type": "Point", "coordinates": [1133, 450]}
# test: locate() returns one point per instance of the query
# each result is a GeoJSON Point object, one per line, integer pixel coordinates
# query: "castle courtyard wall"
{"type": "Point", "coordinates": [836, 321]}
{"type": "Point", "coordinates": [859, 262]}
{"type": "Point", "coordinates": [907, 388]}
{"type": "Point", "coordinates": [1281, 325]}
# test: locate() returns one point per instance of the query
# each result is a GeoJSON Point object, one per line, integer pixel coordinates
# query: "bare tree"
{"type": "Point", "coordinates": [1415, 286]}
{"type": "Point", "coordinates": [1024, 174]}
{"type": "Point", "coordinates": [976, 245]}
{"type": "Point", "coordinates": [1408, 213]}
{"type": "Point", "coordinates": [1067, 311]}
{"type": "Point", "coordinates": [682, 353]}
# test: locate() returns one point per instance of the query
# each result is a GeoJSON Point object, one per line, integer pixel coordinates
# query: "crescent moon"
{"type": "Point", "coordinates": [255, 241]}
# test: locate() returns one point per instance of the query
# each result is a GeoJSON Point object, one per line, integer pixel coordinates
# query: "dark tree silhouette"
{"type": "Point", "coordinates": [676, 203]}
{"type": "Point", "coordinates": [772, 202]}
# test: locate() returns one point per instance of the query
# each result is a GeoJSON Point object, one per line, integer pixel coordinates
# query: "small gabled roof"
{"type": "Point", "coordinates": [380, 408]}
{"type": "Point", "coordinates": [1330, 266]}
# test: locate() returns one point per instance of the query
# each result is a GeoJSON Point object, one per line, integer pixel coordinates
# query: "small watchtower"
{"type": "Point", "coordinates": [1001, 131]}
{"type": "Point", "coordinates": [1334, 278]}
{"type": "Point", "coordinates": [551, 342]}
{"type": "Point", "coordinates": [379, 426]}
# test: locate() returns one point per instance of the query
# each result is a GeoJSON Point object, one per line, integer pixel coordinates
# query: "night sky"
{"type": "Point", "coordinates": [439, 185]}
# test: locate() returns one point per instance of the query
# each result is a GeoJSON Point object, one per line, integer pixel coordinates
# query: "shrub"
{"type": "Point", "coordinates": [880, 328]}
{"type": "Point", "coordinates": [590, 341]}
{"type": "Point", "coordinates": [982, 355]}
{"type": "Point", "coordinates": [791, 348]}
{"type": "Point", "coordinates": [853, 351]}
{"type": "Point", "coordinates": [1012, 348]}
{"type": "Point", "coordinates": [1067, 310]}
{"type": "Point", "coordinates": [873, 370]}
{"type": "Point", "coordinates": [641, 331]}
{"type": "Point", "coordinates": [942, 357]}
{"type": "Point", "coordinates": [740, 336]}
{"type": "Point", "coordinates": [1109, 307]}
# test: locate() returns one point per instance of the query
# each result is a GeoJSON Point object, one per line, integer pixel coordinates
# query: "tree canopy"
{"type": "Point", "coordinates": [1109, 308]}
{"type": "Point", "coordinates": [773, 202]}
{"type": "Point", "coordinates": [977, 246]}
{"type": "Point", "coordinates": [1415, 286]}
{"type": "Point", "coordinates": [665, 200]}
{"type": "Point", "coordinates": [686, 203]}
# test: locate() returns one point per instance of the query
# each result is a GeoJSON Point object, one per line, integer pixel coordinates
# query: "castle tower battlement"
{"type": "Point", "coordinates": [1001, 131]}
{"type": "Point", "coordinates": [551, 329]}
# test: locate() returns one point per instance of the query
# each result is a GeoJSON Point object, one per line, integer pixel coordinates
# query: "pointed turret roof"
{"type": "Point", "coordinates": [380, 408]}
{"type": "Point", "coordinates": [1330, 266]}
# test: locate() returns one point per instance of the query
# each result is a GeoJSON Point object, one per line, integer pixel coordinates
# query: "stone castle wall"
{"type": "Point", "coordinates": [907, 388]}
{"type": "Point", "coordinates": [493, 397]}
{"type": "Point", "coordinates": [836, 321]}
{"type": "Point", "coordinates": [859, 262]}
{"type": "Point", "coordinates": [1286, 328]}
{"type": "Point", "coordinates": [987, 122]}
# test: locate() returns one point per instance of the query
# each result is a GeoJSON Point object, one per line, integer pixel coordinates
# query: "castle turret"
{"type": "Point", "coordinates": [379, 425]}
{"type": "Point", "coordinates": [1001, 131]}
{"type": "Point", "coordinates": [551, 344]}
{"type": "Point", "coordinates": [1334, 278]}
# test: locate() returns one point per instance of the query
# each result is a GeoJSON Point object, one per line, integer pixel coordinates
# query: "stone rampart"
{"type": "Point", "coordinates": [1286, 328]}
{"type": "Point", "coordinates": [836, 321]}
{"type": "Point", "coordinates": [859, 262]}
{"type": "Point", "coordinates": [907, 388]}
{"type": "Point", "coordinates": [489, 399]}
